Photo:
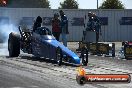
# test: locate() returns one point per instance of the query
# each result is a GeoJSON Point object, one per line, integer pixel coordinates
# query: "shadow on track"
{"type": "Point", "coordinates": [46, 60]}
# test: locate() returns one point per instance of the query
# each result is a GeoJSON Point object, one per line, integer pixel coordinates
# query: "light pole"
{"type": "Point", "coordinates": [97, 4]}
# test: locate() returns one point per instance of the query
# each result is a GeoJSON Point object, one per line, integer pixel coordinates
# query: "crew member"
{"type": "Point", "coordinates": [64, 27]}
{"type": "Point", "coordinates": [94, 24]}
{"type": "Point", "coordinates": [90, 24]}
{"type": "Point", "coordinates": [97, 26]}
{"type": "Point", "coordinates": [56, 30]}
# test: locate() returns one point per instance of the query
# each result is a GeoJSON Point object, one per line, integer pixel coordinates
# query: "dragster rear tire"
{"type": "Point", "coordinates": [14, 44]}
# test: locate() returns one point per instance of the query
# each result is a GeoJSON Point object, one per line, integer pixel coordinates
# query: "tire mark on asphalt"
{"type": "Point", "coordinates": [32, 70]}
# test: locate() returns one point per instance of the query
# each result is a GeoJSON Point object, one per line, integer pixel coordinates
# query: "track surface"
{"type": "Point", "coordinates": [27, 71]}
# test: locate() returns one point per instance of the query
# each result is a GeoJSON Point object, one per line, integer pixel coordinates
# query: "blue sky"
{"type": "Point", "coordinates": [88, 4]}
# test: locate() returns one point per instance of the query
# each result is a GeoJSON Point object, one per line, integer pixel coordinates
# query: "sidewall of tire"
{"type": "Point", "coordinates": [84, 61]}
{"type": "Point", "coordinates": [14, 49]}
{"type": "Point", "coordinates": [59, 51]}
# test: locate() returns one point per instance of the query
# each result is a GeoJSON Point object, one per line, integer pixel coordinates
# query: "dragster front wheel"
{"type": "Point", "coordinates": [84, 56]}
{"type": "Point", "coordinates": [59, 56]}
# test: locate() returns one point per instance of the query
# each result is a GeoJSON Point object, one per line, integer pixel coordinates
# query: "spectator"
{"type": "Point", "coordinates": [64, 27]}
{"type": "Point", "coordinates": [56, 30]}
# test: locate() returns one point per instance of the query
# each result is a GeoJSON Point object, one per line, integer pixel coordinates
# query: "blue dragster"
{"type": "Point", "coordinates": [40, 43]}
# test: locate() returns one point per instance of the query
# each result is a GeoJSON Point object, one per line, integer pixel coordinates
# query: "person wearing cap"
{"type": "Point", "coordinates": [64, 27]}
{"type": "Point", "coordinates": [90, 24]}
{"type": "Point", "coordinates": [37, 23]}
{"type": "Point", "coordinates": [97, 26]}
{"type": "Point", "coordinates": [56, 30]}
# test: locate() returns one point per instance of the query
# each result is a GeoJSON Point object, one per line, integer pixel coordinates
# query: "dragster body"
{"type": "Point", "coordinates": [41, 43]}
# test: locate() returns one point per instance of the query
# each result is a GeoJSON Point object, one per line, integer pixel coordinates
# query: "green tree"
{"type": "Point", "coordinates": [69, 4]}
{"type": "Point", "coordinates": [44, 3]}
{"type": "Point", "coordinates": [28, 3]}
{"type": "Point", "coordinates": [112, 4]}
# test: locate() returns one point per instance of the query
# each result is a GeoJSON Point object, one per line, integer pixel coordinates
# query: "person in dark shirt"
{"type": "Point", "coordinates": [64, 27]}
{"type": "Point", "coordinates": [90, 24]}
{"type": "Point", "coordinates": [56, 30]}
{"type": "Point", "coordinates": [37, 23]}
{"type": "Point", "coordinates": [97, 26]}
{"type": "Point", "coordinates": [94, 24]}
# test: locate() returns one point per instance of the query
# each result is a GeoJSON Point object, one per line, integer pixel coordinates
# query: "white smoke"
{"type": "Point", "coordinates": [5, 30]}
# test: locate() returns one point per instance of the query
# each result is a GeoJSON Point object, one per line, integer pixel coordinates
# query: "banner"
{"type": "Point", "coordinates": [83, 78]}
{"type": "Point", "coordinates": [76, 21]}
{"type": "Point", "coordinates": [104, 20]}
{"type": "Point", "coordinates": [126, 21]}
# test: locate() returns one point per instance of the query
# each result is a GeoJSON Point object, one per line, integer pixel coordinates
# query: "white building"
{"type": "Point", "coordinates": [117, 24]}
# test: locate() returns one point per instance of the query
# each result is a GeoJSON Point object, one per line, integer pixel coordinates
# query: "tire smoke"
{"type": "Point", "coordinates": [5, 30]}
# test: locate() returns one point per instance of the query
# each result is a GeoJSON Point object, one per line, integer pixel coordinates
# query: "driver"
{"type": "Point", "coordinates": [37, 23]}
